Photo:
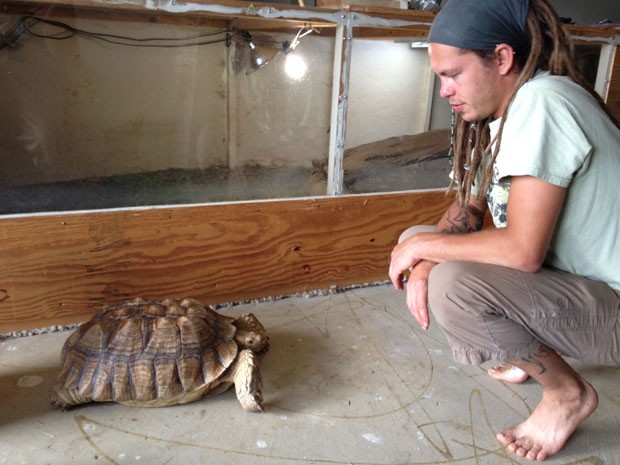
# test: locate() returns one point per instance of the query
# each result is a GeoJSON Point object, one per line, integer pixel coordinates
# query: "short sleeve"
{"type": "Point", "coordinates": [542, 137]}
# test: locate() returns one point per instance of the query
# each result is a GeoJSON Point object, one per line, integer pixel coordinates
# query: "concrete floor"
{"type": "Point", "coordinates": [349, 379]}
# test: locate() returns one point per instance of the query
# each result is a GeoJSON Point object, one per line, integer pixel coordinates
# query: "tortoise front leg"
{"type": "Point", "coordinates": [248, 381]}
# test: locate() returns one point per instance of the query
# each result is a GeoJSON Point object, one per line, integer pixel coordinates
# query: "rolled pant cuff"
{"type": "Point", "coordinates": [477, 356]}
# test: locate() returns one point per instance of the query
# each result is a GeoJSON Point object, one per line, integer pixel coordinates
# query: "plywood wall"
{"type": "Point", "coordinates": [62, 268]}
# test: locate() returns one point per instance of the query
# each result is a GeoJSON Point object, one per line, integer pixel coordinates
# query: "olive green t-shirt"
{"type": "Point", "coordinates": [556, 131]}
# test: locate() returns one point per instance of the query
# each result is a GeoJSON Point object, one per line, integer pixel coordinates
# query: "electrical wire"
{"type": "Point", "coordinates": [27, 23]}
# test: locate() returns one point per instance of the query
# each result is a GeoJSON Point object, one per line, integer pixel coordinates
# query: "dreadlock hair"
{"type": "Point", "coordinates": [550, 50]}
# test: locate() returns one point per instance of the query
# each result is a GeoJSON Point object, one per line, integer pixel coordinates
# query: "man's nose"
{"type": "Point", "coordinates": [446, 90]}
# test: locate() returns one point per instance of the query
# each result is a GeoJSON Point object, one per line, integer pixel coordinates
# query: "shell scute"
{"type": "Point", "coordinates": [164, 339]}
{"type": "Point", "coordinates": [154, 310]}
{"type": "Point", "coordinates": [72, 369]}
{"type": "Point", "coordinates": [167, 382]}
{"type": "Point", "coordinates": [190, 372]}
{"type": "Point", "coordinates": [120, 381]}
{"type": "Point", "coordinates": [89, 372]}
{"type": "Point", "coordinates": [142, 377]}
{"type": "Point", "coordinates": [126, 339]}
{"type": "Point", "coordinates": [100, 384]}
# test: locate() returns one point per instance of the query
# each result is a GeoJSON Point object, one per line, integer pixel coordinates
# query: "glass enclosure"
{"type": "Point", "coordinates": [109, 113]}
{"type": "Point", "coordinates": [103, 114]}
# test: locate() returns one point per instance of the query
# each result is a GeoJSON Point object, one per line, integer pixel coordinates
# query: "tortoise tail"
{"type": "Point", "coordinates": [63, 398]}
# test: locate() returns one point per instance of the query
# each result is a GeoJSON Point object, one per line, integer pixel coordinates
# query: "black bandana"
{"type": "Point", "coordinates": [482, 24]}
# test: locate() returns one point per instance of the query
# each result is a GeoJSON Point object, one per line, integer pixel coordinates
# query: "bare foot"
{"type": "Point", "coordinates": [553, 421]}
{"type": "Point", "coordinates": [508, 373]}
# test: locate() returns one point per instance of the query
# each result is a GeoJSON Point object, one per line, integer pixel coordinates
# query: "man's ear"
{"type": "Point", "coordinates": [505, 56]}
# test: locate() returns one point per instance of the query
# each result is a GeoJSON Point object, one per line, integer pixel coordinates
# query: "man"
{"type": "Point", "coordinates": [534, 144]}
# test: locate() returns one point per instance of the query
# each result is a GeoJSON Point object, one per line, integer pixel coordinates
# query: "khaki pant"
{"type": "Point", "coordinates": [490, 312]}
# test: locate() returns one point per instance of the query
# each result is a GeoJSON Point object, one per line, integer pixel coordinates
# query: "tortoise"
{"type": "Point", "coordinates": [158, 353]}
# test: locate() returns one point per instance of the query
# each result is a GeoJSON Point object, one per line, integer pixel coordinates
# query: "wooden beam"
{"type": "Point", "coordinates": [44, 9]}
{"type": "Point", "coordinates": [214, 13]}
{"type": "Point", "coordinates": [62, 268]}
{"type": "Point", "coordinates": [591, 32]}
{"type": "Point", "coordinates": [209, 16]}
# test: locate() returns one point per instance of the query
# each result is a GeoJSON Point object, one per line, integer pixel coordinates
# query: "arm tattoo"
{"type": "Point", "coordinates": [464, 220]}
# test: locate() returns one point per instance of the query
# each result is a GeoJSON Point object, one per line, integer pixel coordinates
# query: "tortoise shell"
{"type": "Point", "coordinates": [149, 353]}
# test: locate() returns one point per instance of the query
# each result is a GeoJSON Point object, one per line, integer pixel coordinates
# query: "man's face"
{"type": "Point", "coordinates": [471, 84]}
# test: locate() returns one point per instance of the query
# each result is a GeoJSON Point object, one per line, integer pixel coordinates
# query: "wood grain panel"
{"type": "Point", "coordinates": [62, 268]}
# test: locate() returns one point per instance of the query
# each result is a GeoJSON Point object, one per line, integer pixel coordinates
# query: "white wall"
{"type": "Point", "coordinates": [388, 91]}
{"type": "Point", "coordinates": [78, 108]}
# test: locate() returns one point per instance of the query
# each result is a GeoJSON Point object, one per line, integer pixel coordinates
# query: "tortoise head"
{"type": "Point", "coordinates": [251, 334]}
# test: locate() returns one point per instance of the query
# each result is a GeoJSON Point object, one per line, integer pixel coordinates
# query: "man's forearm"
{"type": "Point", "coordinates": [460, 221]}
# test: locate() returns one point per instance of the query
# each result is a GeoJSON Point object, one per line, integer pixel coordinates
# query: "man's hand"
{"type": "Point", "coordinates": [403, 259]}
{"type": "Point", "coordinates": [417, 293]}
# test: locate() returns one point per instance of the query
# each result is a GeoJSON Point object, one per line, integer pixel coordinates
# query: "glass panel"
{"type": "Point", "coordinates": [101, 120]}
{"type": "Point", "coordinates": [280, 119]}
{"type": "Point", "coordinates": [397, 135]}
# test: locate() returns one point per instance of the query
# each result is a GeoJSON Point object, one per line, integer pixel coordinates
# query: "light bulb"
{"type": "Point", "coordinates": [295, 66]}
